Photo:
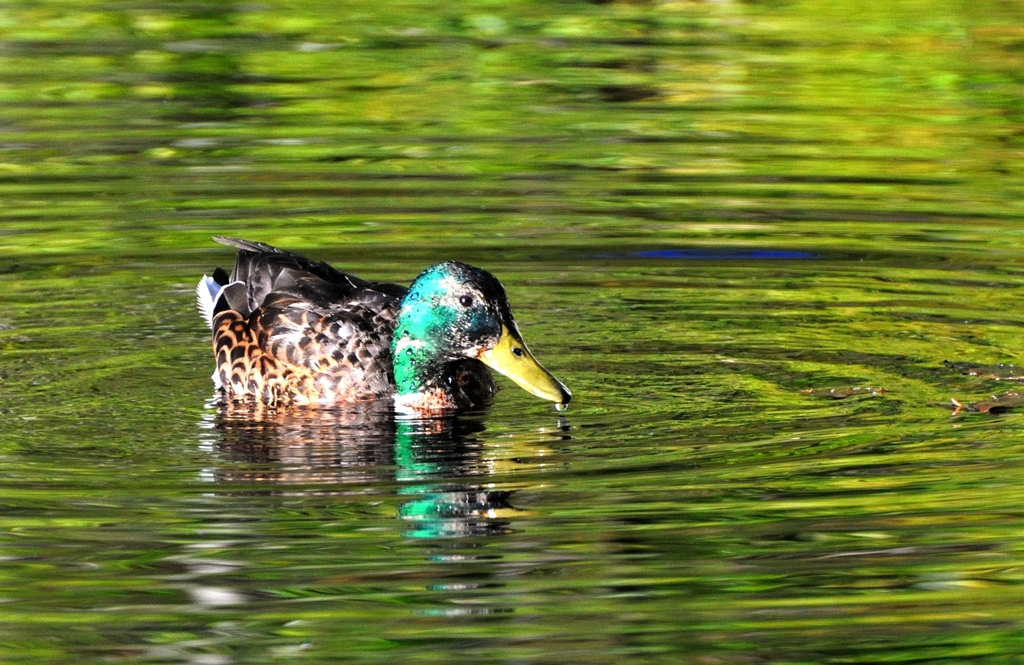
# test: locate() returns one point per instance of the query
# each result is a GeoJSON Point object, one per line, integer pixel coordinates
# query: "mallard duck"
{"type": "Point", "coordinates": [289, 330]}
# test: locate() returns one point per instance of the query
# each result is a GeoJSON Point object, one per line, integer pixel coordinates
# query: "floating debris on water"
{"type": "Point", "coordinates": [999, 372]}
{"type": "Point", "coordinates": [1008, 400]}
{"type": "Point", "coordinates": [843, 393]}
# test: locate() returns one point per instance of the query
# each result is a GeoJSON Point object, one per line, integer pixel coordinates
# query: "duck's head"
{"type": "Point", "coordinates": [454, 311]}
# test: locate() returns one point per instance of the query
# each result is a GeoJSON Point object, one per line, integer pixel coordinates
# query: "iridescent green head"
{"type": "Point", "coordinates": [451, 313]}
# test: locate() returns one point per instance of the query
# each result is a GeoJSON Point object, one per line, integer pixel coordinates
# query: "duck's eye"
{"type": "Point", "coordinates": [517, 352]}
{"type": "Point", "coordinates": [466, 301]}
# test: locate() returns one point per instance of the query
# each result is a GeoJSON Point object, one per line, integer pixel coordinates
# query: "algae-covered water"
{"type": "Point", "coordinates": [764, 243]}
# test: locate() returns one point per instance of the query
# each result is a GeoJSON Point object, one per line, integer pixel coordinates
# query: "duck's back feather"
{"type": "Point", "coordinates": [265, 270]}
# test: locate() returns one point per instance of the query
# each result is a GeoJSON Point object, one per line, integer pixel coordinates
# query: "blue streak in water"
{"type": "Point", "coordinates": [711, 254]}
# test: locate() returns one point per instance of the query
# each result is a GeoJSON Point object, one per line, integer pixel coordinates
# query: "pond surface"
{"type": "Point", "coordinates": [764, 243]}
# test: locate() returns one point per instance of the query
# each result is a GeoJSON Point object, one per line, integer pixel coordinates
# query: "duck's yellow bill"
{"type": "Point", "coordinates": [511, 358]}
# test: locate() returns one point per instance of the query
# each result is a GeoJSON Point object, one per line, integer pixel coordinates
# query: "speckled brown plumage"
{"type": "Point", "coordinates": [294, 331]}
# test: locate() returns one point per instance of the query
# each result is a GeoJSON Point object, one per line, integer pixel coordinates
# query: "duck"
{"type": "Point", "coordinates": [288, 330]}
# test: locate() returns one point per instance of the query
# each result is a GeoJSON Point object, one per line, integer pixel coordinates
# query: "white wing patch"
{"type": "Point", "coordinates": [206, 295]}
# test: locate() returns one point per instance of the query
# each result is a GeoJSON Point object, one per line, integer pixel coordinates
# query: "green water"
{"type": "Point", "coordinates": [712, 218]}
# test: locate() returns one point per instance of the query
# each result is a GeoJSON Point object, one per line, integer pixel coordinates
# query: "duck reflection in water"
{"type": "Point", "coordinates": [430, 455]}
{"type": "Point", "coordinates": [365, 449]}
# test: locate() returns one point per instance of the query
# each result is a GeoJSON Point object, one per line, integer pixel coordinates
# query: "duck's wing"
{"type": "Point", "coordinates": [333, 329]}
{"type": "Point", "coordinates": [345, 346]}
{"type": "Point", "coordinates": [264, 270]}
